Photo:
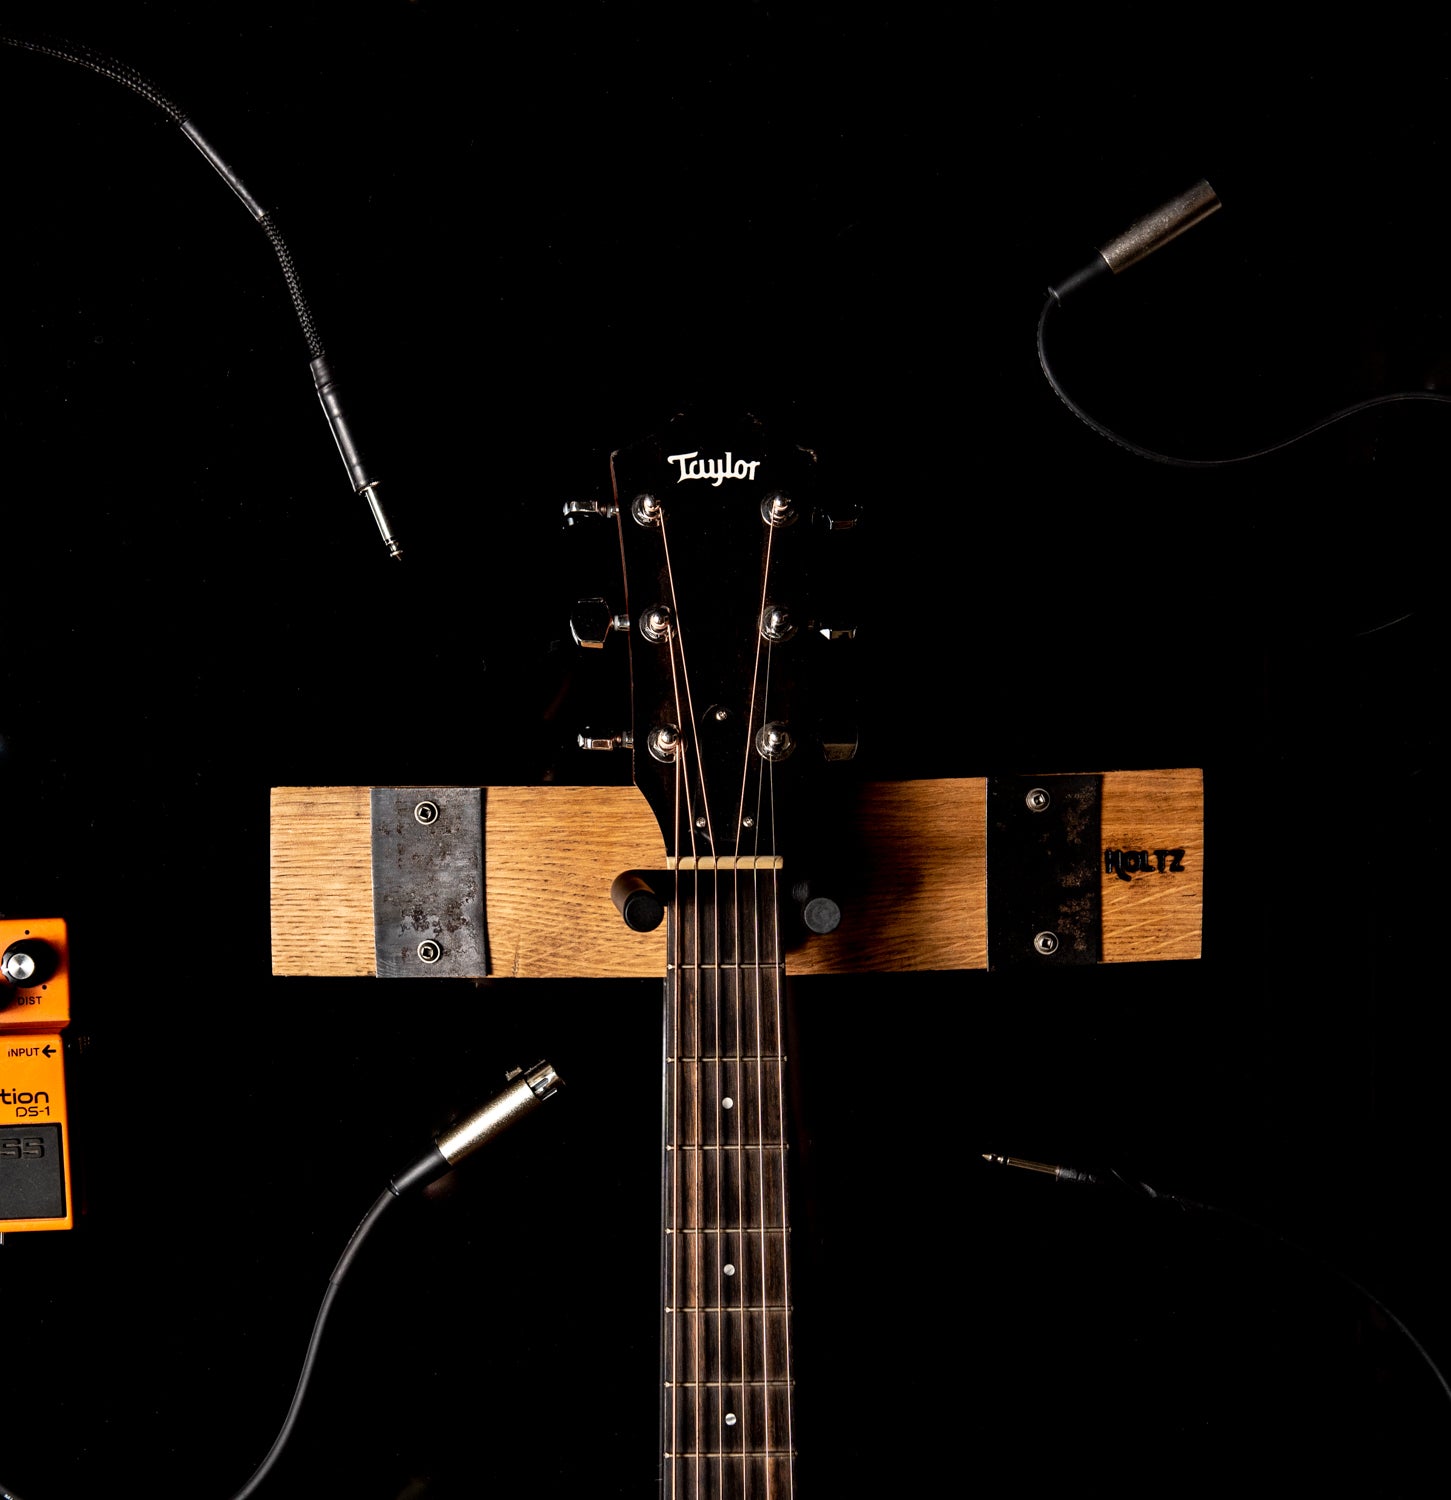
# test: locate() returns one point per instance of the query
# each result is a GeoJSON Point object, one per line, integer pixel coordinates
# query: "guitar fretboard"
{"type": "Point", "coordinates": [727, 1408]}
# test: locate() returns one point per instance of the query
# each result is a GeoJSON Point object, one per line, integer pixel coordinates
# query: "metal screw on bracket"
{"type": "Point", "coordinates": [429, 951]}
{"type": "Point", "coordinates": [426, 812]}
{"type": "Point", "coordinates": [1046, 942]}
{"type": "Point", "coordinates": [1037, 800]}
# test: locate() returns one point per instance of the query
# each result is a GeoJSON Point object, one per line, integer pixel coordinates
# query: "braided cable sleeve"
{"type": "Point", "coordinates": [128, 77]}
{"type": "Point", "coordinates": [107, 67]}
{"type": "Point", "coordinates": [294, 286]}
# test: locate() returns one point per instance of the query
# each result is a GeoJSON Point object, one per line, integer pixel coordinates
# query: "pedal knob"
{"type": "Point", "coordinates": [28, 962]}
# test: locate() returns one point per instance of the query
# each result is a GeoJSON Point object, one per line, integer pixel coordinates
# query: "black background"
{"type": "Point", "coordinates": [529, 237]}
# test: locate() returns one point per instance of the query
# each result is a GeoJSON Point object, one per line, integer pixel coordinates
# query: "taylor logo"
{"type": "Point", "coordinates": [693, 466]}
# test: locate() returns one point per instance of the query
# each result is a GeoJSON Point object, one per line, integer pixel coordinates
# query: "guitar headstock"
{"type": "Point", "coordinates": [739, 651]}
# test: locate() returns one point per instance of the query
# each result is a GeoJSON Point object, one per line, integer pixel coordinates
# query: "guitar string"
{"type": "Point", "coordinates": [778, 973]}
{"type": "Point", "coordinates": [777, 980]}
{"type": "Point", "coordinates": [767, 781]}
{"type": "Point", "coordinates": [717, 980]}
{"type": "Point", "coordinates": [672, 1290]}
{"type": "Point", "coordinates": [742, 1237]}
{"type": "Point", "coordinates": [676, 644]}
{"type": "Point", "coordinates": [752, 761]}
{"type": "Point", "coordinates": [674, 992]}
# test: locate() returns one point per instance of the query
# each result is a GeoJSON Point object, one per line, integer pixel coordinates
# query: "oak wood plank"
{"type": "Point", "coordinates": [1153, 914]}
{"type": "Point", "coordinates": [913, 882]}
{"type": "Point", "coordinates": [920, 855]}
{"type": "Point", "coordinates": [322, 880]}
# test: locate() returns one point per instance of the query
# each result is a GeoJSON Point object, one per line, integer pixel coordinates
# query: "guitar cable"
{"type": "Point", "coordinates": [360, 476]}
{"type": "Point", "coordinates": [1137, 242]}
{"type": "Point", "coordinates": [526, 1091]}
{"type": "Point", "coordinates": [1116, 1179]}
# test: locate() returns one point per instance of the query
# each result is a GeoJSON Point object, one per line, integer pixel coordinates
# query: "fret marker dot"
{"type": "Point", "coordinates": [730, 1270]}
{"type": "Point", "coordinates": [730, 1419]}
{"type": "Point", "coordinates": [727, 1103]}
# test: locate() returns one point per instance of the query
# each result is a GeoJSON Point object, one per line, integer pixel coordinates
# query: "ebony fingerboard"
{"type": "Point", "coordinates": [726, 1413]}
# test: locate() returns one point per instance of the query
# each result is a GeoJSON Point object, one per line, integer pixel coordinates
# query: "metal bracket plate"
{"type": "Point", "coordinates": [428, 883]}
{"type": "Point", "coordinates": [1044, 897]}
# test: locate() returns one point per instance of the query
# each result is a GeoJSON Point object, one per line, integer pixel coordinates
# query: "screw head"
{"type": "Point", "coordinates": [1038, 799]}
{"type": "Point", "coordinates": [426, 812]}
{"type": "Point", "coordinates": [1046, 942]}
{"type": "Point", "coordinates": [429, 951]}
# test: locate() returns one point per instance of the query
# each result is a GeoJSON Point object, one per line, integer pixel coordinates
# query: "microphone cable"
{"type": "Point", "coordinates": [1141, 239]}
{"type": "Point", "coordinates": [526, 1091]}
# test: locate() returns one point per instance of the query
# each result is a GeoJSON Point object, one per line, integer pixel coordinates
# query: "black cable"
{"type": "Point", "coordinates": [1191, 1205]}
{"type": "Point", "coordinates": [107, 67]}
{"type": "Point", "coordinates": [1154, 456]}
{"type": "Point", "coordinates": [526, 1091]}
{"type": "Point", "coordinates": [1113, 1177]}
{"type": "Point", "coordinates": [388, 1196]}
{"type": "Point", "coordinates": [139, 84]}
{"type": "Point", "coordinates": [360, 475]}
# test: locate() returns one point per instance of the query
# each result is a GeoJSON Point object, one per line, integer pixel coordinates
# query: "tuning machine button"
{"type": "Point", "coordinates": [576, 511]}
{"type": "Point", "coordinates": [589, 740]}
{"type": "Point", "coordinates": [591, 621]}
{"type": "Point", "coordinates": [838, 515]}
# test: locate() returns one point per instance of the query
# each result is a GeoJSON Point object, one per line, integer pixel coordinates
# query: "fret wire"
{"type": "Point", "coordinates": [742, 1455]}
{"type": "Point", "coordinates": [749, 1146]}
{"type": "Point", "coordinates": [687, 1384]}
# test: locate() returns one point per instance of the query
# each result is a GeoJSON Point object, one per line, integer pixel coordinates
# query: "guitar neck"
{"type": "Point", "coordinates": [726, 1412]}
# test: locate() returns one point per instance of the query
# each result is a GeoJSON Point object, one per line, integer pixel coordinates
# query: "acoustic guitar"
{"type": "Point", "coordinates": [745, 847]}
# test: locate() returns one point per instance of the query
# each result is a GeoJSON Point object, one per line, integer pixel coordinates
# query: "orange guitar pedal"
{"type": "Point", "coordinates": [35, 1163]}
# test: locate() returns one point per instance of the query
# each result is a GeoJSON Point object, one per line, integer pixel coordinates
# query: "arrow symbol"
{"type": "Point", "coordinates": [47, 1049]}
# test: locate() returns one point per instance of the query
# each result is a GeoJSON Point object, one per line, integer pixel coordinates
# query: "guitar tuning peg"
{"type": "Point", "coordinates": [839, 515]}
{"type": "Point", "coordinates": [576, 511]}
{"type": "Point", "coordinates": [587, 739]}
{"type": "Point", "coordinates": [591, 620]}
{"type": "Point", "coordinates": [838, 632]}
